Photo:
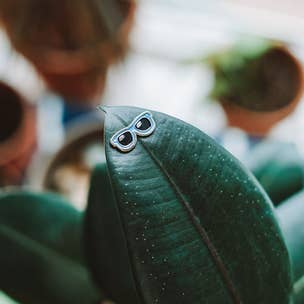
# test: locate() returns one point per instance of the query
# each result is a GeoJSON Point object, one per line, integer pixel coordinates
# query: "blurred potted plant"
{"type": "Point", "coordinates": [17, 135]}
{"type": "Point", "coordinates": [258, 83]}
{"type": "Point", "coordinates": [70, 43]}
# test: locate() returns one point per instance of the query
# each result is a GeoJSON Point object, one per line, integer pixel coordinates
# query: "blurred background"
{"type": "Point", "coordinates": [233, 68]}
{"type": "Point", "coordinates": [201, 61]}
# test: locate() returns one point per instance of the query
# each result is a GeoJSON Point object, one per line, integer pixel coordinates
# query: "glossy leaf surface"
{"type": "Point", "coordinates": [41, 259]}
{"type": "Point", "coordinates": [198, 226]}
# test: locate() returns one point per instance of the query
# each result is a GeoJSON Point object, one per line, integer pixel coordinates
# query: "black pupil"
{"type": "Point", "coordinates": [125, 138]}
{"type": "Point", "coordinates": [143, 124]}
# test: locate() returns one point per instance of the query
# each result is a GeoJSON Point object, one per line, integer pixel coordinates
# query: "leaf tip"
{"type": "Point", "coordinates": [102, 108]}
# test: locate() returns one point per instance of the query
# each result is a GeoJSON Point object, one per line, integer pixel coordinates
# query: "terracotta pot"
{"type": "Point", "coordinates": [260, 122]}
{"type": "Point", "coordinates": [255, 123]}
{"type": "Point", "coordinates": [17, 135]}
{"type": "Point", "coordinates": [72, 43]}
{"type": "Point", "coordinates": [78, 88]}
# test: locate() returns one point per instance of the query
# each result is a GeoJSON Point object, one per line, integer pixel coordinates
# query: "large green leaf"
{"type": "Point", "coordinates": [40, 258]}
{"type": "Point", "coordinates": [291, 216]}
{"type": "Point", "coordinates": [197, 225]}
{"type": "Point", "coordinates": [46, 218]}
{"type": "Point", "coordinates": [279, 168]}
{"type": "Point", "coordinates": [105, 241]}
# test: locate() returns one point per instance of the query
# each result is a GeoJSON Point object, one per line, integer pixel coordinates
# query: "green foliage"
{"type": "Point", "coordinates": [41, 256]}
{"type": "Point", "coordinates": [105, 241]}
{"type": "Point", "coordinates": [236, 68]}
{"type": "Point", "coordinates": [176, 220]}
{"type": "Point", "coordinates": [291, 216]}
{"type": "Point", "coordinates": [256, 74]}
{"type": "Point", "coordinates": [279, 168]}
{"type": "Point", "coordinates": [197, 225]}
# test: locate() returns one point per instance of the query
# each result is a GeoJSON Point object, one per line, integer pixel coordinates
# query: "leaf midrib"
{"type": "Point", "coordinates": [201, 230]}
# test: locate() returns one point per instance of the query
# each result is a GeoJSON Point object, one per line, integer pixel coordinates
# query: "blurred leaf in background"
{"type": "Point", "coordinates": [41, 257]}
{"type": "Point", "coordinates": [279, 167]}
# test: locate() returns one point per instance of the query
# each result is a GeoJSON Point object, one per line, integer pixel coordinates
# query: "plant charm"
{"type": "Point", "coordinates": [125, 139]}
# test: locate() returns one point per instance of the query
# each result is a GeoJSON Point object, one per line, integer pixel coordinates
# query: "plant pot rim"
{"type": "Point", "coordinates": [63, 61]}
{"type": "Point", "coordinates": [299, 92]}
{"type": "Point", "coordinates": [76, 131]}
{"type": "Point", "coordinates": [22, 139]}
{"type": "Point", "coordinates": [255, 122]}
